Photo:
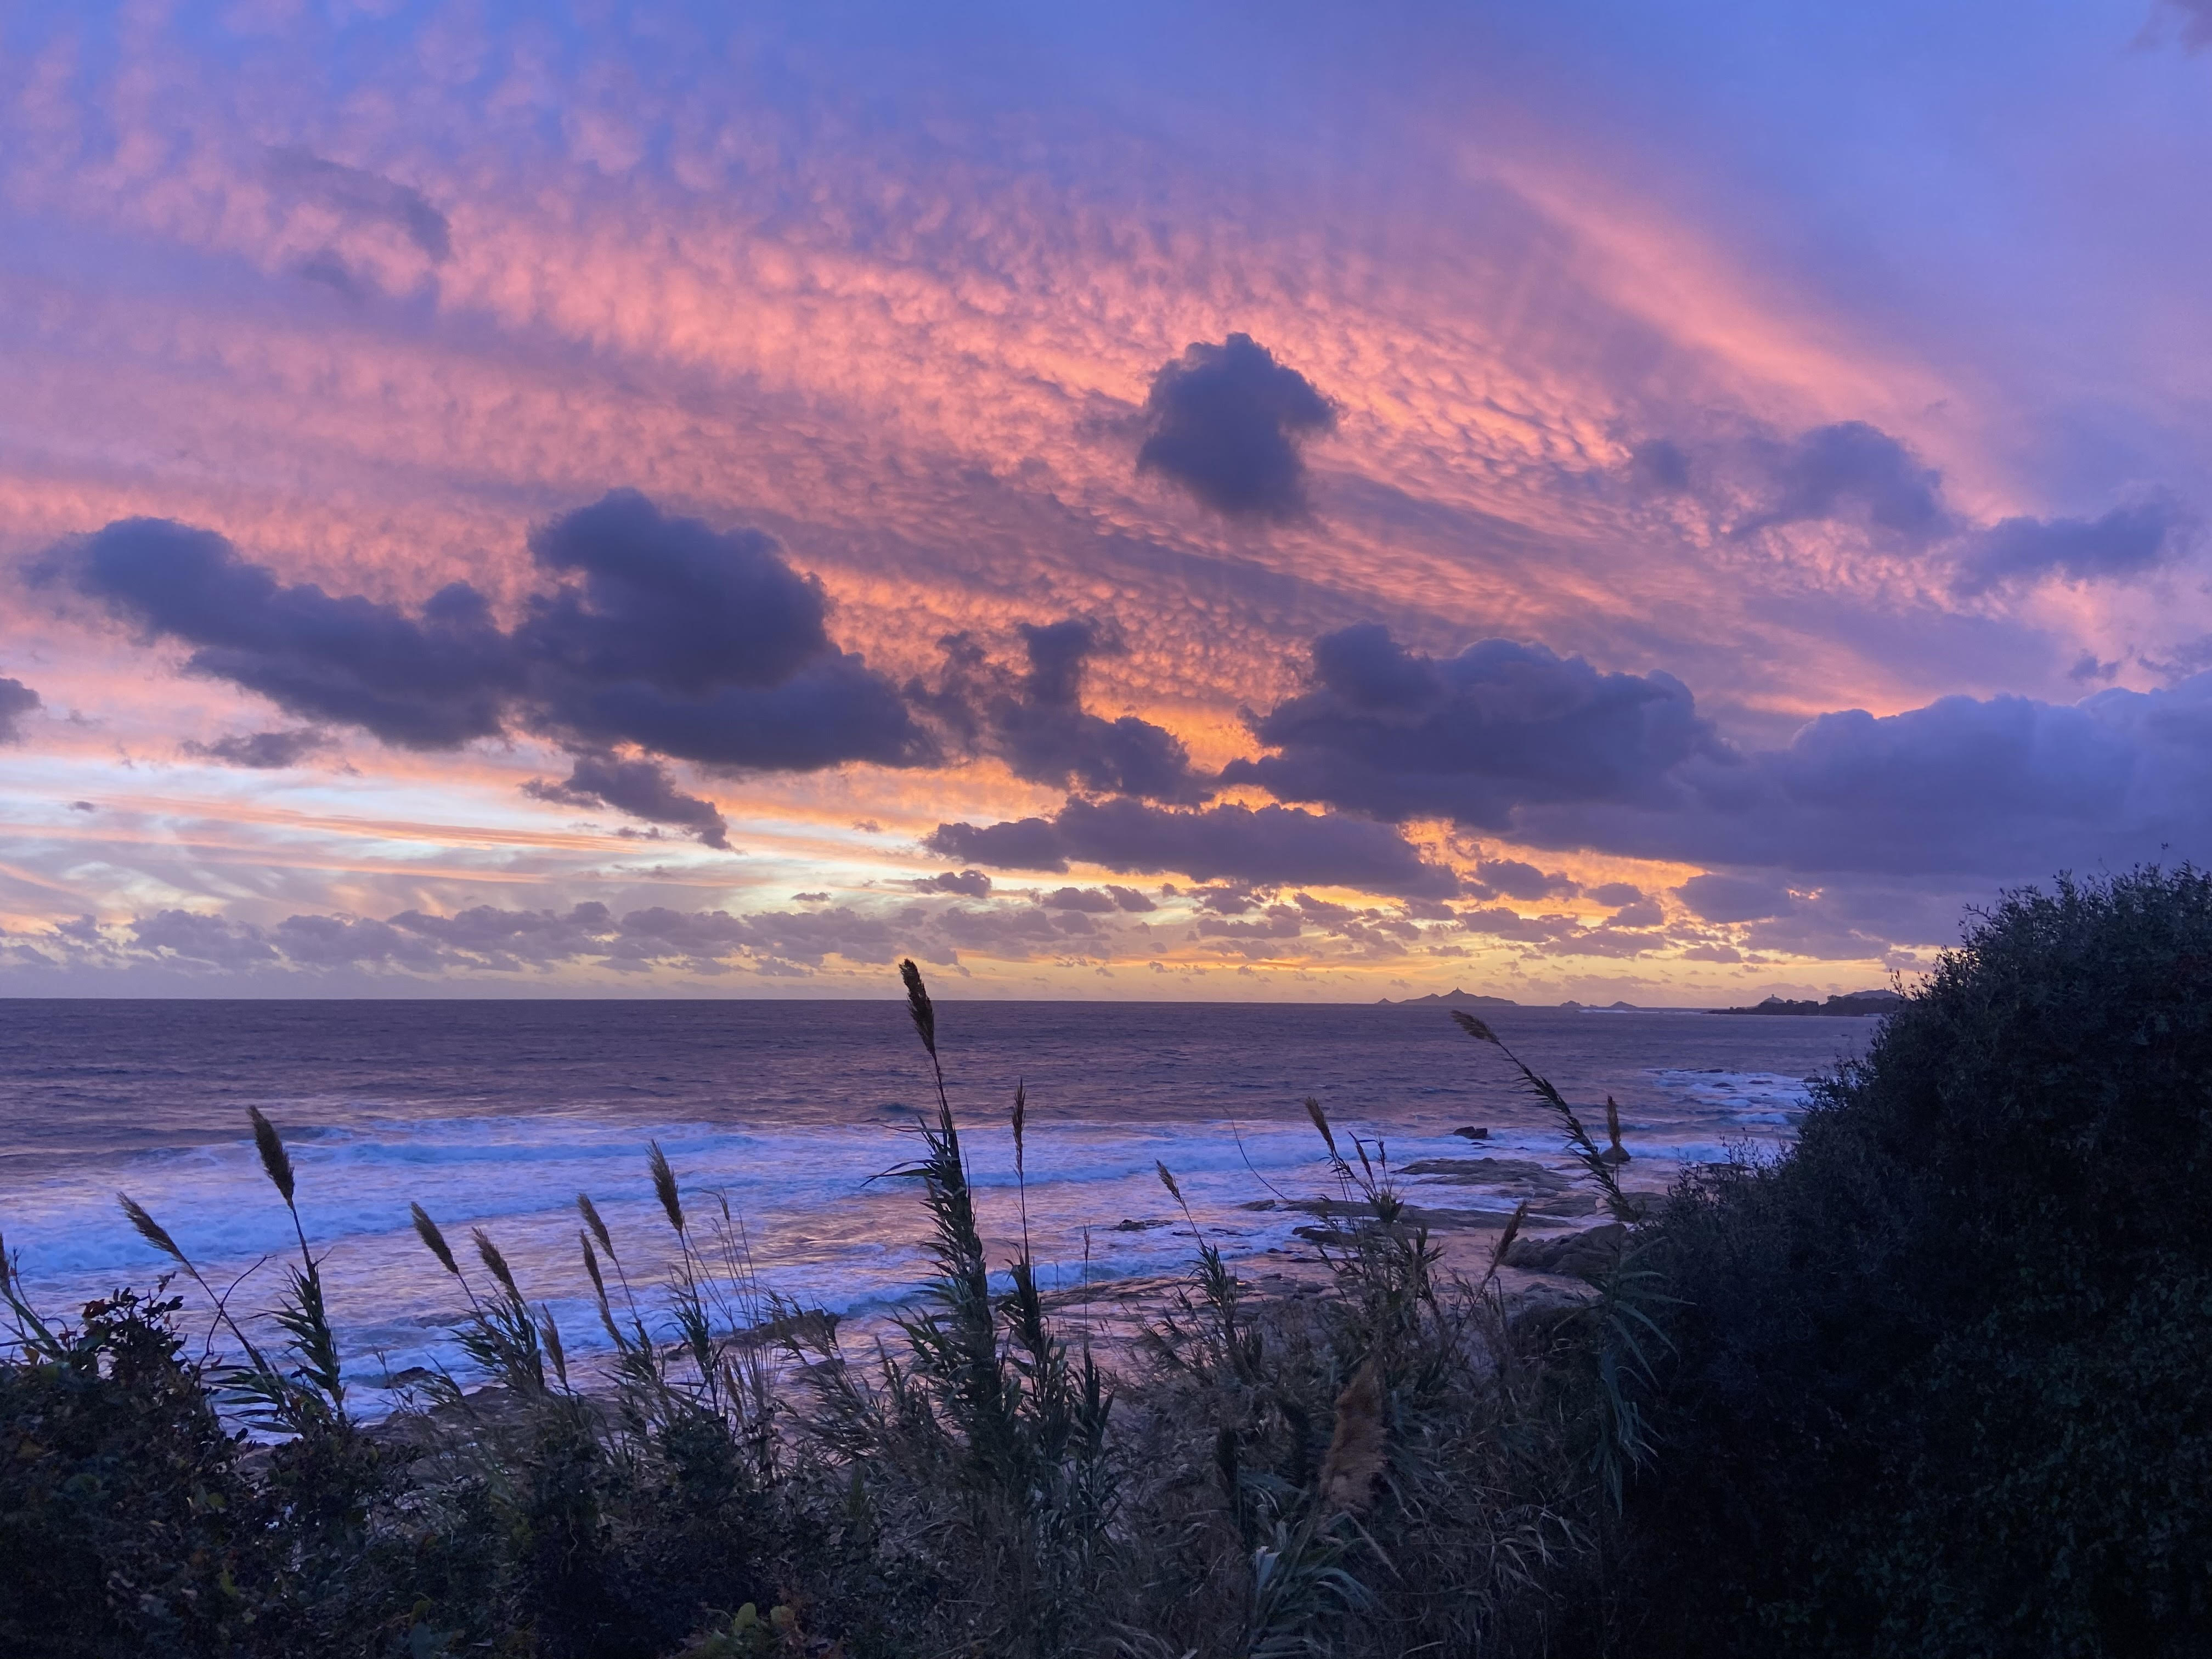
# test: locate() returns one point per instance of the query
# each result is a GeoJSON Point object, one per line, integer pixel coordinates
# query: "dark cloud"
{"type": "Point", "coordinates": [355, 942]}
{"type": "Point", "coordinates": [1470, 737]}
{"type": "Point", "coordinates": [1045, 736]}
{"type": "Point", "coordinates": [1734, 898]}
{"type": "Point", "coordinates": [1226, 422]}
{"type": "Point", "coordinates": [1513, 738]}
{"type": "Point", "coordinates": [1497, 922]}
{"type": "Point", "coordinates": [1515, 879]}
{"type": "Point", "coordinates": [1035, 720]}
{"type": "Point", "coordinates": [1089, 900]}
{"type": "Point", "coordinates": [366, 196]}
{"type": "Point", "coordinates": [261, 752]}
{"type": "Point", "coordinates": [661, 633]}
{"type": "Point", "coordinates": [969, 883]}
{"type": "Point", "coordinates": [203, 941]}
{"type": "Point", "coordinates": [1272, 845]}
{"type": "Point", "coordinates": [1096, 901]}
{"type": "Point", "coordinates": [833, 711]}
{"type": "Point", "coordinates": [642, 789]}
{"type": "Point", "coordinates": [1852, 471]}
{"type": "Point", "coordinates": [700, 645]}
{"type": "Point", "coordinates": [16, 700]}
{"type": "Point", "coordinates": [1274, 921]}
{"type": "Point", "coordinates": [2127, 541]}
{"type": "Point", "coordinates": [1617, 892]}
{"type": "Point", "coordinates": [1016, 934]}
{"type": "Point", "coordinates": [2087, 670]}
{"type": "Point", "coordinates": [1016, 844]}
{"type": "Point", "coordinates": [484, 938]}
{"type": "Point", "coordinates": [1999, 790]}
{"type": "Point", "coordinates": [668, 603]}
{"type": "Point", "coordinates": [434, 681]}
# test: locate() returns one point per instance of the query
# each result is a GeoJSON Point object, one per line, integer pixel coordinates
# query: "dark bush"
{"type": "Point", "coordinates": [1940, 1384]}
{"type": "Point", "coordinates": [125, 1526]}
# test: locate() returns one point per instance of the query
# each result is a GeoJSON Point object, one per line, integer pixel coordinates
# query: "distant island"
{"type": "Point", "coordinates": [1851, 1002]}
{"type": "Point", "coordinates": [1456, 997]}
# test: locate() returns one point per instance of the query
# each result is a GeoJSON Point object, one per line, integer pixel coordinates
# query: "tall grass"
{"type": "Point", "coordinates": [1405, 1463]}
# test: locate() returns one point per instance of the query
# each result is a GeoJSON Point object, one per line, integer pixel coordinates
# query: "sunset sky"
{"type": "Point", "coordinates": [1271, 501]}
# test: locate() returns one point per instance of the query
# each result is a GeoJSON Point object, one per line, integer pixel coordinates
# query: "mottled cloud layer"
{"type": "Point", "coordinates": [1453, 507]}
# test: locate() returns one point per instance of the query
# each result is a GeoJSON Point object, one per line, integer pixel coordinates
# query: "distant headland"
{"type": "Point", "coordinates": [1850, 1003]}
{"type": "Point", "coordinates": [1456, 997]}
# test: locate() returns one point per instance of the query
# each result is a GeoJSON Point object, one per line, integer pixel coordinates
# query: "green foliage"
{"type": "Point", "coordinates": [1940, 1386]}
{"type": "Point", "coordinates": [125, 1522]}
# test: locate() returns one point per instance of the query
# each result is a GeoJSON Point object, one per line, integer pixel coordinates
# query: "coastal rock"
{"type": "Point", "coordinates": [1527, 1178]}
{"type": "Point", "coordinates": [1469, 1132]}
{"type": "Point", "coordinates": [1584, 1255]}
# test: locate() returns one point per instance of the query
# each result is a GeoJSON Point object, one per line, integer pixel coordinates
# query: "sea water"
{"type": "Point", "coordinates": [497, 1115]}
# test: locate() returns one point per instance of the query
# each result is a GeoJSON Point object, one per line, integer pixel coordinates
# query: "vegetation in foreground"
{"type": "Point", "coordinates": [1930, 1384]}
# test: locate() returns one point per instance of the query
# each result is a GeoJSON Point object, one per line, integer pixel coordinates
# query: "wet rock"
{"type": "Point", "coordinates": [1525, 1178]}
{"type": "Point", "coordinates": [1584, 1255]}
{"type": "Point", "coordinates": [1469, 1132]}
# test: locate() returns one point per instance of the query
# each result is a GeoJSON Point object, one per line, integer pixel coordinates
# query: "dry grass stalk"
{"type": "Point", "coordinates": [1358, 1446]}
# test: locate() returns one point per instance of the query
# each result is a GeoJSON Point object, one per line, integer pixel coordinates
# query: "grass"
{"type": "Point", "coordinates": [1930, 1384]}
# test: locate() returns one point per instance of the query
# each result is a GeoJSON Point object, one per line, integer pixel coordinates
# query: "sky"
{"type": "Point", "coordinates": [1278, 501]}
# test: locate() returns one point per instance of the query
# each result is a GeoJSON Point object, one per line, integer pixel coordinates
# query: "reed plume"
{"type": "Point", "coordinates": [433, 1240]}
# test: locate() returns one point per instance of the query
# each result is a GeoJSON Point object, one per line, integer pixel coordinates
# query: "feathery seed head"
{"type": "Point", "coordinates": [664, 1186]}
{"type": "Point", "coordinates": [1512, 1231]}
{"type": "Point", "coordinates": [1321, 1122]}
{"type": "Point", "coordinates": [434, 1241]}
{"type": "Point", "coordinates": [551, 1333]}
{"type": "Point", "coordinates": [1168, 1181]}
{"type": "Point", "coordinates": [590, 1211]}
{"type": "Point", "coordinates": [148, 1229]}
{"type": "Point", "coordinates": [274, 1160]}
{"type": "Point", "coordinates": [494, 1260]}
{"type": "Point", "coordinates": [1474, 1027]}
{"type": "Point", "coordinates": [919, 1005]}
{"type": "Point", "coordinates": [592, 1264]}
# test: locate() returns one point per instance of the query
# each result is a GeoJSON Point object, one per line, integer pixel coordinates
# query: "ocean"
{"type": "Point", "coordinates": [497, 1114]}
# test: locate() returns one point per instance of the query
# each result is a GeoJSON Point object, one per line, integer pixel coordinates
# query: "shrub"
{"type": "Point", "coordinates": [125, 1521]}
{"type": "Point", "coordinates": [1940, 1384]}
